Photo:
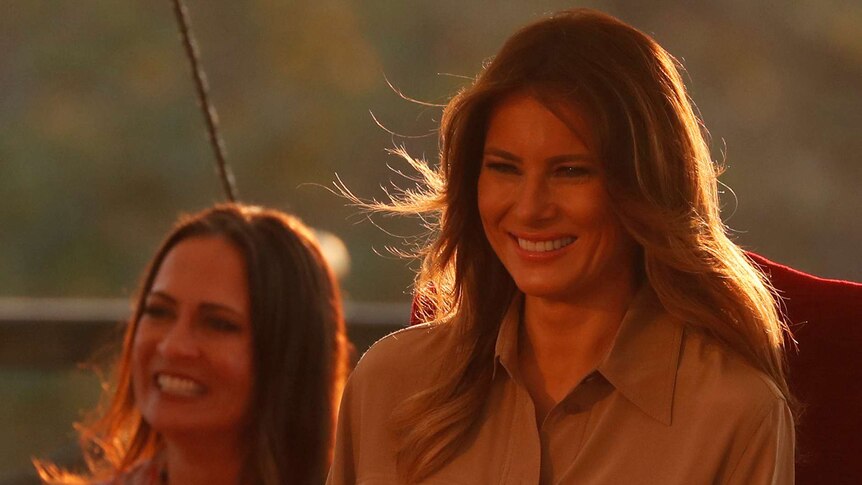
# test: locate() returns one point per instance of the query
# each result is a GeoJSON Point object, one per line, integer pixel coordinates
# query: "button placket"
{"type": "Point", "coordinates": [580, 399]}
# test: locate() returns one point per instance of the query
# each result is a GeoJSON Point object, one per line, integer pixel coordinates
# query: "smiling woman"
{"type": "Point", "coordinates": [231, 365]}
{"type": "Point", "coordinates": [591, 321]}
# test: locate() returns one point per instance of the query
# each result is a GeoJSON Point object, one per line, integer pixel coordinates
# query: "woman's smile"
{"type": "Point", "coordinates": [176, 385]}
{"type": "Point", "coordinates": [545, 246]}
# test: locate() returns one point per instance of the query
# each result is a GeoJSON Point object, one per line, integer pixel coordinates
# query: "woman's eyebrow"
{"type": "Point", "coordinates": [570, 157]}
{"type": "Point", "coordinates": [564, 158]}
{"type": "Point", "coordinates": [501, 154]}
{"type": "Point", "coordinates": [161, 295]}
{"type": "Point", "coordinates": [207, 305]}
{"type": "Point", "coordinates": [211, 306]}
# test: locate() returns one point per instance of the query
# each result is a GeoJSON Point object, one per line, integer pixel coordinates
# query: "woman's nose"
{"type": "Point", "coordinates": [534, 201]}
{"type": "Point", "coordinates": [180, 340]}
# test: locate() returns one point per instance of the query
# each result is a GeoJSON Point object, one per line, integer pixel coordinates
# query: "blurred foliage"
{"type": "Point", "coordinates": [102, 145]}
{"type": "Point", "coordinates": [45, 406]}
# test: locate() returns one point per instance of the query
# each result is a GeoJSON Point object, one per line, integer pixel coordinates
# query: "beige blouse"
{"type": "Point", "coordinates": [668, 405]}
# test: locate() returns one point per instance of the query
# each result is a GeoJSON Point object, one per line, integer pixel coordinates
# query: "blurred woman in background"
{"type": "Point", "coordinates": [232, 363]}
{"type": "Point", "coordinates": [591, 321]}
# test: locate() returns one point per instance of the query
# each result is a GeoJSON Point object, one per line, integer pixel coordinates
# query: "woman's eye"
{"type": "Point", "coordinates": [572, 171]}
{"type": "Point", "coordinates": [502, 167]}
{"type": "Point", "coordinates": [156, 311]}
{"type": "Point", "coordinates": [222, 324]}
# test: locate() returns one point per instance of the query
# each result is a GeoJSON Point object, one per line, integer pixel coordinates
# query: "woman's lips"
{"type": "Point", "coordinates": [544, 245]}
{"type": "Point", "coordinates": [178, 386]}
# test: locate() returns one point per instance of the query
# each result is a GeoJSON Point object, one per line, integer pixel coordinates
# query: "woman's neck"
{"type": "Point", "coordinates": [213, 460]}
{"type": "Point", "coordinates": [562, 341]}
{"type": "Point", "coordinates": [580, 330]}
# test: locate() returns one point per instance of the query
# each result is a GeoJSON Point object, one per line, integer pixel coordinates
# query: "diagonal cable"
{"type": "Point", "coordinates": [208, 109]}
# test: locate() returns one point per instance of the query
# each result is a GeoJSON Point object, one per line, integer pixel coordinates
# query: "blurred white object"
{"type": "Point", "coordinates": [335, 252]}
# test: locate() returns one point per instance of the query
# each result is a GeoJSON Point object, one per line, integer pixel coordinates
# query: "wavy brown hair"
{"type": "Point", "coordinates": [663, 186]}
{"type": "Point", "coordinates": [299, 356]}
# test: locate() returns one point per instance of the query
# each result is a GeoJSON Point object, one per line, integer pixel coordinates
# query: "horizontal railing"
{"type": "Point", "coordinates": [58, 332]}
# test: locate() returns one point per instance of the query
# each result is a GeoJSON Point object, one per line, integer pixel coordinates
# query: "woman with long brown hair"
{"type": "Point", "coordinates": [232, 363]}
{"type": "Point", "coordinates": [591, 322]}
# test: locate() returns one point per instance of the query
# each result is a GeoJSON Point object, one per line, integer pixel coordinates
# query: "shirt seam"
{"type": "Point", "coordinates": [761, 421]}
{"type": "Point", "coordinates": [671, 373]}
{"type": "Point", "coordinates": [508, 463]}
{"type": "Point", "coordinates": [584, 431]}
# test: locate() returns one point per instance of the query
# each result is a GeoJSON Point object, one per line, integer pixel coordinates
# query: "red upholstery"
{"type": "Point", "coordinates": [825, 371]}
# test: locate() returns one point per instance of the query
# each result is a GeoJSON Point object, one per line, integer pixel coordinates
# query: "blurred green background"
{"type": "Point", "coordinates": [102, 145]}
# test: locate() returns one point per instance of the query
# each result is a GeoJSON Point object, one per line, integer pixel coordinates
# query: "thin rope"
{"type": "Point", "coordinates": [210, 116]}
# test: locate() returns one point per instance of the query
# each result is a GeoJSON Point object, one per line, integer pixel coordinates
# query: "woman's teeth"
{"type": "Point", "coordinates": [179, 386]}
{"type": "Point", "coordinates": [543, 246]}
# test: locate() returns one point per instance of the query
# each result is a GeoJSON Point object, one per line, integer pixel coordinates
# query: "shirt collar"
{"type": "Point", "coordinates": [643, 359]}
{"type": "Point", "coordinates": [641, 363]}
{"type": "Point", "coordinates": [506, 350]}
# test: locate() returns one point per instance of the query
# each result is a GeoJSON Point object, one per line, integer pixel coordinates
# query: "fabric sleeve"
{"type": "Point", "coordinates": [768, 455]}
{"type": "Point", "coordinates": [343, 470]}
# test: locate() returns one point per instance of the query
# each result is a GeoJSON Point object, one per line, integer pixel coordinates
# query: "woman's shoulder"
{"type": "Point", "coordinates": [712, 373]}
{"type": "Point", "coordinates": [410, 356]}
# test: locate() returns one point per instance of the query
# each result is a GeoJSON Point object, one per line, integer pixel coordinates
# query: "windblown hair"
{"type": "Point", "coordinates": [663, 186]}
{"type": "Point", "coordinates": [299, 356]}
